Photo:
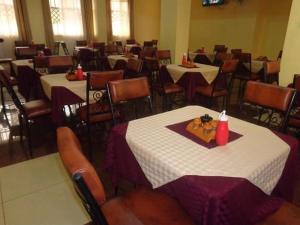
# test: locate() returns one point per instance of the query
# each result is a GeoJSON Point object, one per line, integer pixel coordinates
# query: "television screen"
{"type": "Point", "coordinates": [212, 2]}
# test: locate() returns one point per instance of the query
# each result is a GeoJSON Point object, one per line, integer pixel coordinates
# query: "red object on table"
{"type": "Point", "coordinates": [184, 59]}
{"type": "Point", "coordinates": [79, 73]}
{"type": "Point", "coordinates": [222, 132]}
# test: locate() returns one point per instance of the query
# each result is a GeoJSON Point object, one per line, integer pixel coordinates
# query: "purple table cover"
{"type": "Point", "coordinates": [189, 81]}
{"type": "Point", "coordinates": [61, 96]}
{"type": "Point", "coordinates": [208, 200]}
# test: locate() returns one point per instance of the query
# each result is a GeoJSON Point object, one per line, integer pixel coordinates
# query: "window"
{"type": "Point", "coordinates": [66, 17]}
{"type": "Point", "coordinates": [120, 18]}
{"type": "Point", "coordinates": [8, 21]}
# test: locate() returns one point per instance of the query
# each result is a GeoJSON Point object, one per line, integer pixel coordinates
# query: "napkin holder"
{"type": "Point", "coordinates": [205, 131]}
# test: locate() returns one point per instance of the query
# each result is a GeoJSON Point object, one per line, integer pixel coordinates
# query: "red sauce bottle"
{"type": "Point", "coordinates": [222, 132]}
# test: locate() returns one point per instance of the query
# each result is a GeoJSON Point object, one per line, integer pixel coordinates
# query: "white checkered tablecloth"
{"type": "Point", "coordinates": [21, 62]}
{"type": "Point", "coordinates": [77, 87]}
{"type": "Point", "coordinates": [208, 72]}
{"type": "Point", "coordinates": [164, 156]}
{"type": "Point", "coordinates": [256, 65]}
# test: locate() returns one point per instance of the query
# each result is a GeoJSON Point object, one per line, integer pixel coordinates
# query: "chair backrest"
{"type": "Point", "coordinates": [130, 41]}
{"type": "Point", "coordinates": [87, 183]}
{"type": "Point", "coordinates": [26, 53]}
{"type": "Point", "coordinates": [119, 43]}
{"type": "Point", "coordinates": [279, 55]}
{"type": "Point", "coordinates": [5, 81]}
{"type": "Point", "coordinates": [221, 57]}
{"type": "Point", "coordinates": [270, 96]}
{"type": "Point", "coordinates": [271, 68]}
{"type": "Point", "coordinates": [235, 51]}
{"type": "Point", "coordinates": [226, 71]}
{"type": "Point", "coordinates": [220, 48]}
{"type": "Point", "coordinates": [40, 63]}
{"type": "Point", "coordinates": [134, 65]}
{"type": "Point", "coordinates": [59, 64]}
{"type": "Point", "coordinates": [148, 43]}
{"type": "Point", "coordinates": [147, 52]}
{"type": "Point", "coordinates": [202, 58]}
{"type": "Point", "coordinates": [98, 45]}
{"type": "Point", "coordinates": [296, 82]}
{"type": "Point", "coordinates": [81, 43]}
{"type": "Point", "coordinates": [111, 49]}
{"type": "Point", "coordinates": [155, 42]}
{"type": "Point", "coordinates": [22, 43]}
{"type": "Point", "coordinates": [135, 50]}
{"type": "Point", "coordinates": [127, 90]}
{"type": "Point", "coordinates": [56, 48]}
{"type": "Point", "coordinates": [152, 64]}
{"type": "Point", "coordinates": [38, 47]}
{"type": "Point", "coordinates": [164, 57]}
{"type": "Point", "coordinates": [64, 46]}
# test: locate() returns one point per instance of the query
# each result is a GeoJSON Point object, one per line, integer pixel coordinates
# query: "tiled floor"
{"type": "Point", "coordinates": [38, 191]}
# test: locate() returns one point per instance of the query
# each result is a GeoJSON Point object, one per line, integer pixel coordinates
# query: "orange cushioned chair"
{"type": "Point", "coordinates": [138, 207]}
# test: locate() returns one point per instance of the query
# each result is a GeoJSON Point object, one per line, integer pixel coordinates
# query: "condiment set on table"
{"type": "Point", "coordinates": [208, 129]}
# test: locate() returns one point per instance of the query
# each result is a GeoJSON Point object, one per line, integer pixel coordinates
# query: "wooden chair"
{"type": "Point", "coordinates": [111, 49]}
{"type": "Point", "coordinates": [86, 59]}
{"type": "Point", "coordinates": [133, 68]}
{"type": "Point", "coordinates": [40, 64]}
{"type": "Point", "coordinates": [287, 214]}
{"type": "Point", "coordinates": [147, 52]}
{"type": "Point", "coordinates": [25, 53]}
{"type": "Point", "coordinates": [294, 118]}
{"type": "Point", "coordinates": [268, 99]}
{"type": "Point", "coordinates": [59, 64]}
{"type": "Point", "coordinates": [99, 111]}
{"type": "Point", "coordinates": [135, 50]}
{"type": "Point", "coordinates": [28, 112]}
{"type": "Point", "coordinates": [244, 74]}
{"type": "Point", "coordinates": [81, 43]}
{"type": "Point", "coordinates": [12, 82]}
{"type": "Point", "coordinates": [220, 87]}
{"type": "Point", "coordinates": [22, 43]}
{"type": "Point", "coordinates": [236, 51]}
{"type": "Point", "coordinates": [170, 91]}
{"type": "Point", "coordinates": [220, 57]}
{"type": "Point", "coordinates": [56, 48]}
{"type": "Point", "coordinates": [155, 42]}
{"type": "Point", "coordinates": [201, 58]}
{"type": "Point", "coordinates": [128, 90]}
{"type": "Point", "coordinates": [148, 44]}
{"type": "Point", "coordinates": [38, 47]}
{"type": "Point", "coordinates": [120, 47]}
{"type": "Point", "coordinates": [271, 71]}
{"type": "Point", "coordinates": [220, 48]}
{"type": "Point", "coordinates": [64, 46]}
{"type": "Point", "coordinates": [164, 57]}
{"type": "Point", "coordinates": [137, 207]}
{"type": "Point", "coordinates": [130, 42]}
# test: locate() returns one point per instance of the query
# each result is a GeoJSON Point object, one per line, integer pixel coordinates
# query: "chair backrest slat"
{"type": "Point", "coordinates": [59, 64]}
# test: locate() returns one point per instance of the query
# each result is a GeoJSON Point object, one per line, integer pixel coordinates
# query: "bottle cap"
{"type": "Point", "coordinates": [223, 116]}
{"type": "Point", "coordinates": [79, 66]}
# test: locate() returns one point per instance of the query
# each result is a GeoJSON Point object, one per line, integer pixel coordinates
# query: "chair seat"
{"type": "Point", "coordinates": [144, 206]}
{"type": "Point", "coordinates": [287, 214]}
{"type": "Point", "coordinates": [98, 113]}
{"type": "Point", "coordinates": [37, 108]}
{"type": "Point", "coordinates": [172, 88]}
{"type": "Point", "coordinates": [208, 91]}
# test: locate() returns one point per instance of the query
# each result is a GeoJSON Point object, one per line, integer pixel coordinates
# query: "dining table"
{"type": "Point", "coordinates": [61, 91]}
{"type": "Point", "coordinates": [114, 59]}
{"type": "Point", "coordinates": [190, 78]}
{"type": "Point", "coordinates": [241, 182]}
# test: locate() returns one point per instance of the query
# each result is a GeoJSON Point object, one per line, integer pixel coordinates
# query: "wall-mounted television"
{"type": "Point", "coordinates": [212, 2]}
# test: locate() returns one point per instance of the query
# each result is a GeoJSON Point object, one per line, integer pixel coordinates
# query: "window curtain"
{"type": "Point", "coordinates": [88, 20]}
{"type": "Point", "coordinates": [120, 19]}
{"type": "Point", "coordinates": [22, 20]}
{"type": "Point", "coordinates": [8, 23]}
{"type": "Point", "coordinates": [48, 23]}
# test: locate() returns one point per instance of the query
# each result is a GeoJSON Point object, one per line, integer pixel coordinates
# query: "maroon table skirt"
{"type": "Point", "coordinates": [61, 96]}
{"type": "Point", "coordinates": [208, 200]}
{"type": "Point", "coordinates": [189, 81]}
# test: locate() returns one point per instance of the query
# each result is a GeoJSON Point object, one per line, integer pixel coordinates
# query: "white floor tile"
{"type": "Point", "coordinates": [30, 176]}
{"type": "Point", "coordinates": [57, 205]}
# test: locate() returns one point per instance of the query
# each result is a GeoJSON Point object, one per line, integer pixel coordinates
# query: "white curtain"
{"type": "Point", "coordinates": [8, 23]}
{"type": "Point", "coordinates": [120, 19]}
{"type": "Point", "coordinates": [66, 17]}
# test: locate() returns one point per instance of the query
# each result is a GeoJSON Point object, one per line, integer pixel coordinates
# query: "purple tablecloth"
{"type": "Point", "coordinates": [208, 200]}
{"type": "Point", "coordinates": [61, 96]}
{"type": "Point", "coordinates": [189, 81]}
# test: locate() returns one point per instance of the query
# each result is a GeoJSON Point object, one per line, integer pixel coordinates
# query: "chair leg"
{"type": "Point", "coordinates": [21, 128]}
{"type": "Point", "coordinates": [3, 102]}
{"type": "Point", "coordinates": [90, 150]}
{"type": "Point", "coordinates": [28, 137]}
